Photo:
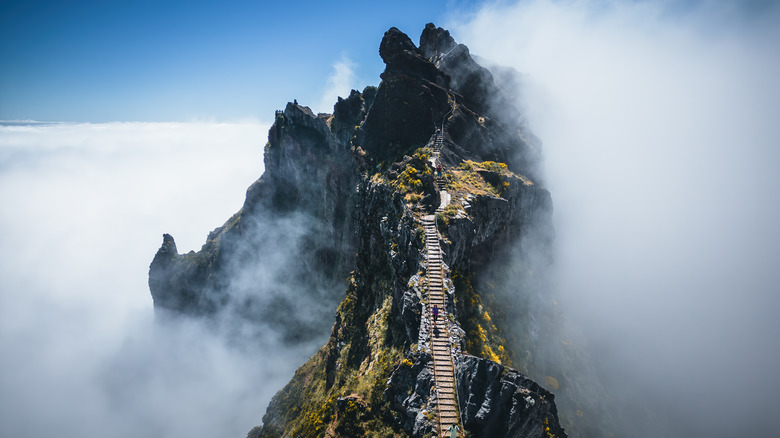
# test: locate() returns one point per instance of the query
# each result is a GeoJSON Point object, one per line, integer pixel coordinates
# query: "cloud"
{"type": "Point", "coordinates": [340, 83]}
{"type": "Point", "coordinates": [84, 209]}
{"type": "Point", "coordinates": [659, 124]}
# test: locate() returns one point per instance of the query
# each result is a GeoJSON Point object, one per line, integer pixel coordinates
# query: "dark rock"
{"type": "Point", "coordinates": [348, 113]}
{"type": "Point", "coordinates": [508, 140]}
{"type": "Point", "coordinates": [401, 56]}
{"type": "Point", "coordinates": [325, 210]}
{"type": "Point", "coordinates": [293, 234]}
{"type": "Point", "coordinates": [410, 312]}
{"type": "Point", "coordinates": [498, 401]}
{"type": "Point", "coordinates": [495, 401]}
{"type": "Point", "coordinates": [410, 102]}
{"type": "Point", "coordinates": [408, 391]}
{"type": "Point", "coordinates": [435, 41]}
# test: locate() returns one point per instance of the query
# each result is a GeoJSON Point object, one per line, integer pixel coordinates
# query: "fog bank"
{"type": "Point", "coordinates": [84, 207]}
{"type": "Point", "coordinates": [659, 123]}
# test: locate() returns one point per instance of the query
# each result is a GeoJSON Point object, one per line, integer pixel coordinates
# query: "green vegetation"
{"type": "Point", "coordinates": [485, 178]}
{"type": "Point", "coordinates": [410, 179]}
{"type": "Point", "coordinates": [442, 221]}
{"type": "Point", "coordinates": [480, 317]}
{"type": "Point", "coordinates": [547, 428]}
{"type": "Point", "coordinates": [353, 366]}
{"type": "Point", "coordinates": [446, 215]}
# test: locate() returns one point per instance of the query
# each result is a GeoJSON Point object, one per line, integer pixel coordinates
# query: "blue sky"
{"type": "Point", "coordinates": [97, 61]}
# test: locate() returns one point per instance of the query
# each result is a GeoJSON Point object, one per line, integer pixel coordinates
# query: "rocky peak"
{"type": "Point", "coordinates": [352, 196]}
{"type": "Point", "coordinates": [439, 86]}
{"type": "Point", "coordinates": [435, 41]}
{"type": "Point", "coordinates": [401, 56]}
{"type": "Point", "coordinates": [411, 101]}
{"type": "Point", "coordinates": [303, 116]}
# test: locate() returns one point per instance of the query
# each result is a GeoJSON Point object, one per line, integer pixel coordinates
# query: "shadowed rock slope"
{"type": "Point", "coordinates": [343, 196]}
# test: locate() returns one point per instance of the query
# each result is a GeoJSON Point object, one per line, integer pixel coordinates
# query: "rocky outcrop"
{"type": "Point", "coordinates": [440, 86]}
{"type": "Point", "coordinates": [409, 390]}
{"type": "Point", "coordinates": [520, 218]}
{"type": "Point", "coordinates": [410, 103]}
{"type": "Point", "coordinates": [498, 401]}
{"type": "Point", "coordinates": [487, 123]}
{"type": "Point", "coordinates": [495, 401]}
{"type": "Point", "coordinates": [369, 334]}
{"type": "Point", "coordinates": [342, 196]}
{"type": "Point", "coordinates": [289, 247]}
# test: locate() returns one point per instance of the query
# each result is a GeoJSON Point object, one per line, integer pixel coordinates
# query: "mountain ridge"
{"type": "Point", "coordinates": [345, 195]}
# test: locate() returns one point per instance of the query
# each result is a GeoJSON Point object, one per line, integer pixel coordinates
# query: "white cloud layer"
{"type": "Point", "coordinates": [660, 124]}
{"type": "Point", "coordinates": [340, 83]}
{"type": "Point", "coordinates": [84, 207]}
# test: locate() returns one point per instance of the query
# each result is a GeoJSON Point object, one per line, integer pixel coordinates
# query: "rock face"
{"type": "Point", "coordinates": [502, 402]}
{"type": "Point", "coordinates": [342, 196]}
{"type": "Point", "coordinates": [291, 244]}
{"type": "Point", "coordinates": [410, 104]}
{"type": "Point", "coordinates": [494, 401]}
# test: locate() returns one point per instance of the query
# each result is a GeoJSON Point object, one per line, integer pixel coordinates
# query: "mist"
{"type": "Point", "coordinates": [659, 123]}
{"type": "Point", "coordinates": [84, 207]}
{"type": "Point", "coordinates": [341, 80]}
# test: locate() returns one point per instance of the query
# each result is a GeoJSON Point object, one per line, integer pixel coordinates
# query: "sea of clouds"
{"type": "Point", "coordinates": [83, 210]}
{"type": "Point", "coordinates": [660, 129]}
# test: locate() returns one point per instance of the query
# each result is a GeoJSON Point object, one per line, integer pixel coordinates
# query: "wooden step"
{"type": "Point", "coordinates": [441, 346]}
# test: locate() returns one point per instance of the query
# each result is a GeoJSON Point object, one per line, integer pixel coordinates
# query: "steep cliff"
{"type": "Point", "coordinates": [353, 195]}
{"type": "Point", "coordinates": [288, 248]}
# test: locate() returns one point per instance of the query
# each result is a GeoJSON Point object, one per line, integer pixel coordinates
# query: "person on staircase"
{"type": "Point", "coordinates": [435, 312]}
{"type": "Point", "coordinates": [439, 170]}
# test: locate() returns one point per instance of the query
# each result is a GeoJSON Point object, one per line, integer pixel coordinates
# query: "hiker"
{"type": "Point", "coordinates": [435, 312]}
{"type": "Point", "coordinates": [439, 170]}
{"type": "Point", "coordinates": [453, 430]}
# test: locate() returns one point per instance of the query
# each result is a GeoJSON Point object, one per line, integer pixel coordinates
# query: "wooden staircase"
{"type": "Point", "coordinates": [437, 145]}
{"type": "Point", "coordinates": [441, 351]}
